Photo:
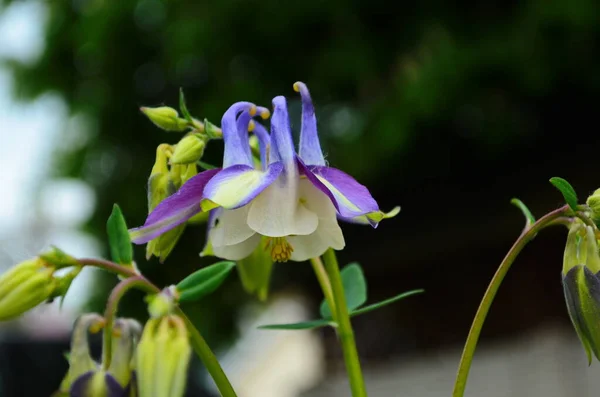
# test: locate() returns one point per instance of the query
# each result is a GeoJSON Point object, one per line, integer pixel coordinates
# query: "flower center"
{"type": "Point", "coordinates": [281, 250]}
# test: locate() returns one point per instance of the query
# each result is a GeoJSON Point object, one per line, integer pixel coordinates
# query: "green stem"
{"type": "Point", "coordinates": [111, 312]}
{"type": "Point", "coordinates": [530, 231]}
{"type": "Point", "coordinates": [325, 284]}
{"type": "Point", "coordinates": [135, 280]}
{"type": "Point", "coordinates": [208, 358]}
{"type": "Point", "coordinates": [345, 332]}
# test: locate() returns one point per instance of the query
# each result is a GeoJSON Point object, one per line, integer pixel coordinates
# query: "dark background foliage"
{"type": "Point", "coordinates": [448, 109]}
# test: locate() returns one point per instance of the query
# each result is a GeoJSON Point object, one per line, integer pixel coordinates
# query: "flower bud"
{"type": "Point", "coordinates": [87, 378]}
{"type": "Point", "coordinates": [25, 286]}
{"type": "Point", "coordinates": [581, 284]}
{"type": "Point", "coordinates": [163, 356]}
{"type": "Point", "coordinates": [163, 303]}
{"type": "Point", "coordinates": [594, 203]}
{"type": "Point", "coordinates": [166, 118]}
{"type": "Point", "coordinates": [189, 150]}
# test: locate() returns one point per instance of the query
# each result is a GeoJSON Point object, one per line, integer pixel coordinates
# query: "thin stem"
{"type": "Point", "coordinates": [345, 332]}
{"type": "Point", "coordinates": [208, 358]}
{"type": "Point", "coordinates": [530, 231]}
{"type": "Point", "coordinates": [111, 312]}
{"type": "Point", "coordinates": [325, 284]}
{"type": "Point", "coordinates": [108, 266]}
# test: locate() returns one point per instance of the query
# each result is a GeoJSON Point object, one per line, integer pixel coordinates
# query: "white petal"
{"type": "Point", "coordinates": [231, 227]}
{"type": "Point", "coordinates": [237, 251]}
{"type": "Point", "coordinates": [328, 234]}
{"type": "Point", "coordinates": [278, 212]}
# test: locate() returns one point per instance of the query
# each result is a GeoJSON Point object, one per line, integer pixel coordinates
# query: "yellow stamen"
{"type": "Point", "coordinates": [252, 110]}
{"type": "Point", "coordinates": [251, 126]}
{"type": "Point", "coordinates": [297, 86]}
{"type": "Point", "coordinates": [265, 114]}
{"type": "Point", "coordinates": [281, 250]}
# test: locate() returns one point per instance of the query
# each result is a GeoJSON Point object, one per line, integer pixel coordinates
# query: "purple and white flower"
{"type": "Point", "coordinates": [291, 202]}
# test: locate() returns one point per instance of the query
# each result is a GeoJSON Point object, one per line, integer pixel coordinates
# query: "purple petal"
{"type": "Point", "coordinates": [264, 141]}
{"type": "Point", "coordinates": [236, 186]}
{"type": "Point", "coordinates": [82, 386]}
{"type": "Point", "coordinates": [237, 148]}
{"type": "Point", "coordinates": [310, 148]}
{"type": "Point", "coordinates": [281, 134]}
{"type": "Point", "coordinates": [351, 199]}
{"type": "Point", "coordinates": [175, 209]}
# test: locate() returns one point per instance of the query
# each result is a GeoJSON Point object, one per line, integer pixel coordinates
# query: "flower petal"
{"type": "Point", "coordinates": [277, 212]}
{"type": "Point", "coordinates": [237, 185]}
{"type": "Point", "coordinates": [281, 134]}
{"type": "Point", "coordinates": [264, 143]}
{"type": "Point", "coordinates": [237, 147]}
{"type": "Point", "coordinates": [328, 235]}
{"type": "Point", "coordinates": [310, 148]}
{"type": "Point", "coordinates": [175, 209]}
{"type": "Point", "coordinates": [231, 227]}
{"type": "Point", "coordinates": [238, 251]}
{"type": "Point", "coordinates": [352, 200]}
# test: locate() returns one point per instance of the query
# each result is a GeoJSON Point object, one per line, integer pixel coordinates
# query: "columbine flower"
{"type": "Point", "coordinates": [289, 205]}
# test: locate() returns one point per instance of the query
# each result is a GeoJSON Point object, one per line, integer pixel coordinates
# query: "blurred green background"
{"type": "Point", "coordinates": [448, 109]}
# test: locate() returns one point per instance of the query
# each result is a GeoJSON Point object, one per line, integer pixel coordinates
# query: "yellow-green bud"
{"type": "Point", "coordinates": [58, 258]}
{"type": "Point", "coordinates": [594, 203]}
{"type": "Point", "coordinates": [163, 356]}
{"type": "Point", "coordinates": [581, 284]}
{"type": "Point", "coordinates": [166, 118]}
{"type": "Point", "coordinates": [189, 150]}
{"type": "Point", "coordinates": [25, 286]}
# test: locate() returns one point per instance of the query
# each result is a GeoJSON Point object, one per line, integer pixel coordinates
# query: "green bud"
{"type": "Point", "coordinates": [594, 203]}
{"type": "Point", "coordinates": [189, 150]}
{"type": "Point", "coordinates": [581, 284]}
{"type": "Point", "coordinates": [255, 271]}
{"type": "Point", "coordinates": [166, 118]}
{"type": "Point", "coordinates": [163, 303]}
{"type": "Point", "coordinates": [211, 130]}
{"type": "Point", "coordinates": [25, 286]}
{"type": "Point", "coordinates": [163, 356]}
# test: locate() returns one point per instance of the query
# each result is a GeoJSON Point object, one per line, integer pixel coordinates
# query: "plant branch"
{"type": "Point", "coordinates": [530, 231]}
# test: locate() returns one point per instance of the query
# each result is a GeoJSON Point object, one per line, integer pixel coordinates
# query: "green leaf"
{"type": "Point", "coordinates": [520, 205]}
{"type": "Point", "coordinates": [386, 302]}
{"type": "Point", "coordinates": [183, 108]}
{"type": "Point", "coordinates": [567, 191]}
{"type": "Point", "coordinates": [299, 326]}
{"type": "Point", "coordinates": [118, 237]}
{"type": "Point", "coordinates": [355, 289]}
{"type": "Point", "coordinates": [204, 281]}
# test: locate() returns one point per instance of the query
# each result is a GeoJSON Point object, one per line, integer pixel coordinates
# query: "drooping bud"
{"type": "Point", "coordinates": [25, 286]}
{"type": "Point", "coordinates": [85, 377]}
{"type": "Point", "coordinates": [166, 118]}
{"type": "Point", "coordinates": [189, 150]}
{"type": "Point", "coordinates": [594, 203]}
{"type": "Point", "coordinates": [163, 356]}
{"type": "Point", "coordinates": [581, 283]}
{"type": "Point", "coordinates": [255, 271]}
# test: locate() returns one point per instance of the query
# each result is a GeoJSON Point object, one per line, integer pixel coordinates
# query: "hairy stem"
{"type": "Point", "coordinates": [345, 332]}
{"type": "Point", "coordinates": [530, 231]}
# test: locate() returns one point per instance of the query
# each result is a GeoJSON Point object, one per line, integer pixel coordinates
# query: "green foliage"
{"type": "Point", "coordinates": [118, 237]}
{"type": "Point", "coordinates": [355, 289]}
{"type": "Point", "coordinates": [567, 191]}
{"type": "Point", "coordinates": [183, 107]}
{"type": "Point", "coordinates": [204, 281]}
{"type": "Point", "coordinates": [526, 212]}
